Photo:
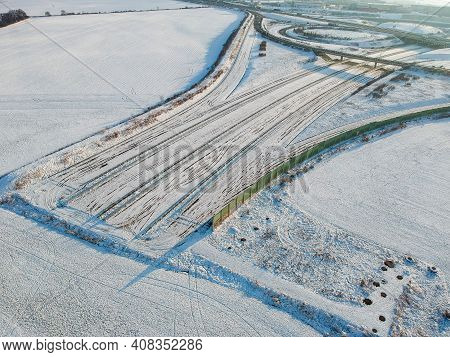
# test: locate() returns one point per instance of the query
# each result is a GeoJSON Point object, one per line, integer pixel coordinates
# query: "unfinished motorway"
{"type": "Point", "coordinates": [149, 188]}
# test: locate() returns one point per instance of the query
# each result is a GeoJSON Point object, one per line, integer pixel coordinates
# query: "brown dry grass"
{"type": "Point", "coordinates": [29, 177]}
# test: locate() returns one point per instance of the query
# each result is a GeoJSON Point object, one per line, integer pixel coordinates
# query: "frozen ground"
{"type": "Point", "coordinates": [55, 285]}
{"type": "Point", "coordinates": [383, 97]}
{"type": "Point", "coordinates": [411, 27]}
{"type": "Point", "coordinates": [71, 76]}
{"type": "Point", "coordinates": [279, 62]}
{"type": "Point", "coordinates": [39, 7]}
{"type": "Point", "coordinates": [394, 191]}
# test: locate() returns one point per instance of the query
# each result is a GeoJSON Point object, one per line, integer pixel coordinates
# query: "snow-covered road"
{"type": "Point", "coordinates": [137, 187]}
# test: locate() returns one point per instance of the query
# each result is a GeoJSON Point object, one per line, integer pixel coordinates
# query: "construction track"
{"type": "Point", "coordinates": [160, 184]}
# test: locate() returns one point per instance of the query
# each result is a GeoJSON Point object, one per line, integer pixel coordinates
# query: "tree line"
{"type": "Point", "coordinates": [12, 17]}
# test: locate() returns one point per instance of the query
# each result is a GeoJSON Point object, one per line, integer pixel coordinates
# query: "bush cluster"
{"type": "Point", "coordinates": [12, 17]}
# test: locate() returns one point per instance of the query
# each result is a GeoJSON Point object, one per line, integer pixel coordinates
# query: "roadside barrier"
{"type": "Point", "coordinates": [305, 153]}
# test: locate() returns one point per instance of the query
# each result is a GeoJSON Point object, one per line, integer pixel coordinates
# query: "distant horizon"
{"type": "Point", "coordinates": [417, 2]}
{"type": "Point", "coordinates": [413, 2]}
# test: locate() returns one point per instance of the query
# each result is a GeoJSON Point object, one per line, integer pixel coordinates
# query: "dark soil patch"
{"type": "Point", "coordinates": [389, 263]}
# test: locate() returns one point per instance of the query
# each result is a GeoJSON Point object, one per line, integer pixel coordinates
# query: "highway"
{"type": "Point", "coordinates": [159, 184]}
{"type": "Point", "coordinates": [376, 56]}
{"type": "Point", "coordinates": [408, 37]}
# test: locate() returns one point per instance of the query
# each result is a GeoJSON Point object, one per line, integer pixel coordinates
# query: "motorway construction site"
{"type": "Point", "coordinates": [227, 185]}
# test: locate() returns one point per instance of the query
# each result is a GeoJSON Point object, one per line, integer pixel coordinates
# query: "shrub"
{"type": "Point", "coordinates": [12, 17]}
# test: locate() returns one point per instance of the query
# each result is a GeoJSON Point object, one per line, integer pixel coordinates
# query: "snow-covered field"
{"type": "Point", "coordinates": [54, 285]}
{"type": "Point", "coordinates": [71, 76]}
{"type": "Point", "coordinates": [40, 7]}
{"type": "Point", "coordinates": [411, 27]}
{"type": "Point", "coordinates": [394, 191]}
